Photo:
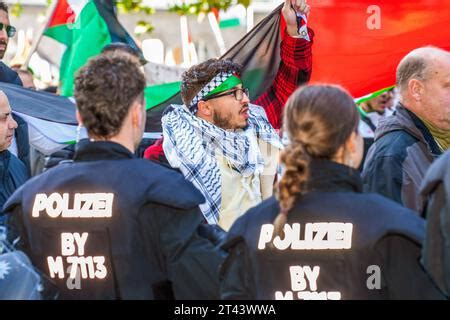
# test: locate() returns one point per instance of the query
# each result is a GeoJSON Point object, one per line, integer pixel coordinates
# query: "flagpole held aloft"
{"type": "Point", "coordinates": [216, 30]}
{"type": "Point", "coordinates": [185, 40]}
{"type": "Point", "coordinates": [49, 14]}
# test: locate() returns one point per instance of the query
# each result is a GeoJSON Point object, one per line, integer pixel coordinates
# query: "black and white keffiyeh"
{"type": "Point", "coordinates": [190, 144]}
{"type": "Point", "coordinates": [210, 86]}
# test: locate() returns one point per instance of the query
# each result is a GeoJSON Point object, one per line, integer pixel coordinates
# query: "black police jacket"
{"type": "Point", "coordinates": [435, 191]}
{"type": "Point", "coordinates": [112, 226]}
{"type": "Point", "coordinates": [339, 244]}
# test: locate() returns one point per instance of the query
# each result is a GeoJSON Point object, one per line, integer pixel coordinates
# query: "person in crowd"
{"type": "Point", "coordinates": [371, 112]}
{"type": "Point", "coordinates": [435, 191]}
{"type": "Point", "coordinates": [68, 152]}
{"type": "Point", "coordinates": [26, 76]}
{"type": "Point", "coordinates": [35, 160]}
{"type": "Point", "coordinates": [20, 145]}
{"type": "Point", "coordinates": [13, 172]}
{"type": "Point", "coordinates": [222, 143]}
{"type": "Point", "coordinates": [321, 237]}
{"type": "Point", "coordinates": [108, 225]}
{"type": "Point", "coordinates": [7, 31]}
{"type": "Point", "coordinates": [419, 131]}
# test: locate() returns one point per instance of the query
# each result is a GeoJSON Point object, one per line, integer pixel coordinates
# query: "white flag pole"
{"type": "Point", "coordinates": [217, 34]}
{"type": "Point", "coordinates": [49, 14]}
{"type": "Point", "coordinates": [185, 40]}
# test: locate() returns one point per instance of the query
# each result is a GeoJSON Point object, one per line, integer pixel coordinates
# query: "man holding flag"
{"type": "Point", "coordinates": [226, 146]}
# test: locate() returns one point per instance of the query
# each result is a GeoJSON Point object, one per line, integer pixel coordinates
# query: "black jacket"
{"type": "Point", "coordinates": [23, 142]}
{"type": "Point", "coordinates": [399, 158]}
{"type": "Point", "coordinates": [12, 174]}
{"type": "Point", "coordinates": [378, 233]}
{"type": "Point", "coordinates": [436, 194]}
{"type": "Point", "coordinates": [8, 75]}
{"type": "Point", "coordinates": [147, 247]}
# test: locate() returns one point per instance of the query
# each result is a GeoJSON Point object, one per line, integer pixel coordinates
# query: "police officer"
{"type": "Point", "coordinates": [435, 191]}
{"type": "Point", "coordinates": [321, 237]}
{"type": "Point", "coordinates": [108, 225]}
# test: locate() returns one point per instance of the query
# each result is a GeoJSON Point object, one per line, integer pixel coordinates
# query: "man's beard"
{"type": "Point", "coordinates": [222, 122]}
{"type": "Point", "coordinates": [2, 53]}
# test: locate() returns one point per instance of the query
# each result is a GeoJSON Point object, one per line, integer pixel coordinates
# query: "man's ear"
{"type": "Point", "coordinates": [350, 144]}
{"type": "Point", "coordinates": [204, 109]}
{"type": "Point", "coordinates": [136, 113]}
{"type": "Point", "coordinates": [416, 88]}
{"type": "Point", "coordinates": [78, 116]}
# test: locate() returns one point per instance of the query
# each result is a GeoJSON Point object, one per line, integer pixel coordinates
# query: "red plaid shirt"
{"type": "Point", "coordinates": [295, 70]}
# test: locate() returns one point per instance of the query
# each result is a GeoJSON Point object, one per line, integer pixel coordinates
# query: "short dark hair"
{"type": "Point", "coordinates": [196, 77]}
{"type": "Point", "coordinates": [105, 89]}
{"type": "Point", "coordinates": [126, 48]}
{"type": "Point", "coordinates": [3, 6]}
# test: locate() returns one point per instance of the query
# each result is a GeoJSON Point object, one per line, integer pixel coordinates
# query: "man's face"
{"type": "Point", "coordinates": [3, 35]}
{"type": "Point", "coordinates": [228, 111]}
{"type": "Point", "coordinates": [382, 102]}
{"type": "Point", "coordinates": [436, 96]}
{"type": "Point", "coordinates": [7, 123]}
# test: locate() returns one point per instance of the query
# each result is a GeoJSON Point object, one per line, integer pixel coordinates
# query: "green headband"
{"type": "Point", "coordinates": [228, 84]}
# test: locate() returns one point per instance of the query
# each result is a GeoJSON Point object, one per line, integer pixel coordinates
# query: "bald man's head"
{"type": "Point", "coordinates": [4, 102]}
{"type": "Point", "coordinates": [7, 123]}
{"type": "Point", "coordinates": [423, 79]}
{"type": "Point", "coordinates": [419, 65]}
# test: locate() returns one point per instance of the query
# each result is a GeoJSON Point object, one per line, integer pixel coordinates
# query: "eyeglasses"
{"type": "Point", "coordinates": [238, 94]}
{"type": "Point", "coordinates": [10, 30]}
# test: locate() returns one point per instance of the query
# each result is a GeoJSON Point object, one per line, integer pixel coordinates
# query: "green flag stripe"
{"type": "Point", "coordinates": [228, 23]}
{"type": "Point", "coordinates": [60, 33]}
{"type": "Point", "coordinates": [90, 35]}
{"type": "Point", "coordinates": [373, 95]}
{"type": "Point", "coordinates": [155, 95]}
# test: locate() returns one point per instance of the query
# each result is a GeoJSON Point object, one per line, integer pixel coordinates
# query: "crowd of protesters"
{"type": "Point", "coordinates": [300, 194]}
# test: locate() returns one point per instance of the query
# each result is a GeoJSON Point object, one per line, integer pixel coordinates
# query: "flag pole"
{"type": "Point", "coordinates": [40, 33]}
{"type": "Point", "coordinates": [216, 31]}
{"type": "Point", "coordinates": [250, 17]}
{"type": "Point", "coordinates": [185, 40]}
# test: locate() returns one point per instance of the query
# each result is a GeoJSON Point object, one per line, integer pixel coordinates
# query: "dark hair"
{"type": "Point", "coordinates": [196, 77]}
{"type": "Point", "coordinates": [3, 6]}
{"type": "Point", "coordinates": [318, 120]}
{"type": "Point", "coordinates": [104, 91]}
{"type": "Point", "coordinates": [51, 89]}
{"type": "Point", "coordinates": [115, 47]}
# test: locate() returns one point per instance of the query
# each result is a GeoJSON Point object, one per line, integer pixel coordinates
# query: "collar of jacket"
{"type": "Point", "coordinates": [403, 119]}
{"type": "Point", "coordinates": [330, 176]}
{"type": "Point", "coordinates": [5, 157]}
{"type": "Point", "coordinates": [87, 150]}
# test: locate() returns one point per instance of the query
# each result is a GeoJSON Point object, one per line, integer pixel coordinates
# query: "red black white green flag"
{"type": "Point", "coordinates": [84, 27]}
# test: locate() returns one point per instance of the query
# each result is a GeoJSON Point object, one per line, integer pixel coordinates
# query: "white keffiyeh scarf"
{"type": "Point", "coordinates": [190, 144]}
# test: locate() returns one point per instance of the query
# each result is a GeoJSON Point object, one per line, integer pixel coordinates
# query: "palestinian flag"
{"type": "Point", "coordinates": [357, 44]}
{"type": "Point", "coordinates": [84, 27]}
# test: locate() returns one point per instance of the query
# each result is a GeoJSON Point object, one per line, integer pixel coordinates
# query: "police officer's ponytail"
{"type": "Point", "coordinates": [318, 121]}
